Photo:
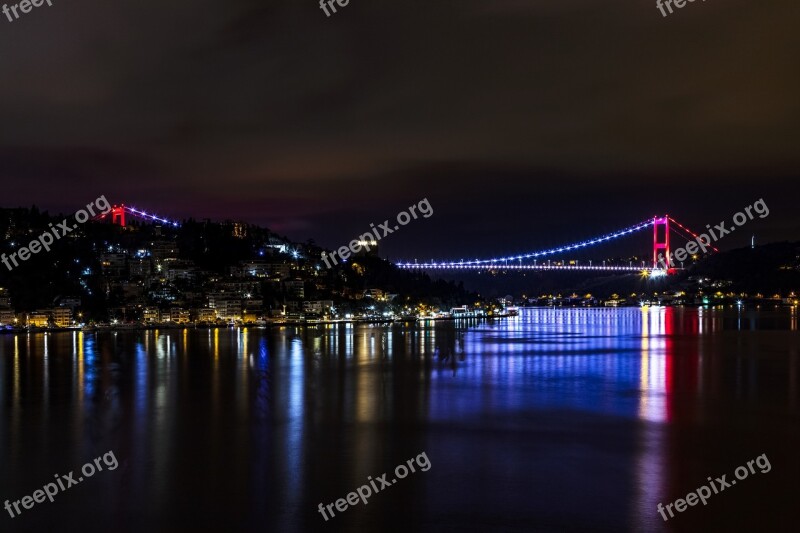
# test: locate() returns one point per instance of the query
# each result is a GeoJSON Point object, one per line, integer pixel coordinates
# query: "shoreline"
{"type": "Point", "coordinates": [382, 321]}
{"type": "Point", "coordinates": [266, 325]}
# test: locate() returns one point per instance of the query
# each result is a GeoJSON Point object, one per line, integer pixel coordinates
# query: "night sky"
{"type": "Point", "coordinates": [523, 122]}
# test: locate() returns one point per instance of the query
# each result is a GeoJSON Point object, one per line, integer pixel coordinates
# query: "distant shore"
{"type": "Point", "coordinates": [257, 325]}
{"type": "Point", "coordinates": [442, 317]}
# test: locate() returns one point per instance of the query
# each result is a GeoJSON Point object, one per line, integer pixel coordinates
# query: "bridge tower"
{"type": "Point", "coordinates": [118, 215]}
{"type": "Point", "coordinates": [660, 243]}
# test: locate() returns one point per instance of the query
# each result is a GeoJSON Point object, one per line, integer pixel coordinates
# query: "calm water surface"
{"type": "Point", "coordinates": [556, 420]}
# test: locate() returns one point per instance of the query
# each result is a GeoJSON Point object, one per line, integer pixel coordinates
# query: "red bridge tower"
{"type": "Point", "coordinates": [118, 215]}
{"type": "Point", "coordinates": [661, 243]}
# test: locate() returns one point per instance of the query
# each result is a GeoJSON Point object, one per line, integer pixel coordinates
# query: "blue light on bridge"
{"type": "Point", "coordinates": [499, 262]}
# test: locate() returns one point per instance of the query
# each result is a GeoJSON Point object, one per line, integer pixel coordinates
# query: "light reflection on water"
{"type": "Point", "coordinates": [254, 428]}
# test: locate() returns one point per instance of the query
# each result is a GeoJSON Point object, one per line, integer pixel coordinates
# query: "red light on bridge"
{"type": "Point", "coordinates": [118, 215]}
{"type": "Point", "coordinates": [660, 244]}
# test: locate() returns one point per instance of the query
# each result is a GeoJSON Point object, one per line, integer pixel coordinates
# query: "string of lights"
{"type": "Point", "coordinates": [116, 214]}
{"type": "Point", "coordinates": [690, 232]}
{"type": "Point", "coordinates": [498, 262]}
{"type": "Point", "coordinates": [150, 216]}
{"type": "Point", "coordinates": [447, 266]}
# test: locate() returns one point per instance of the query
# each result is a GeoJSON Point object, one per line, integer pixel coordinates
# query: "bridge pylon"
{"type": "Point", "coordinates": [660, 244]}
{"type": "Point", "coordinates": [118, 215]}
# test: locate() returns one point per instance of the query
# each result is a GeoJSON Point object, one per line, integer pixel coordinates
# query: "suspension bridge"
{"type": "Point", "coordinates": [661, 225]}
{"type": "Point", "coordinates": [117, 215]}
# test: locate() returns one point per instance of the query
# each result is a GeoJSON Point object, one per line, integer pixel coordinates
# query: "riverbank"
{"type": "Point", "coordinates": [264, 324]}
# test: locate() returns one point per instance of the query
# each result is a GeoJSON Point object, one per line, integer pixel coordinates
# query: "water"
{"type": "Point", "coordinates": [556, 420]}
